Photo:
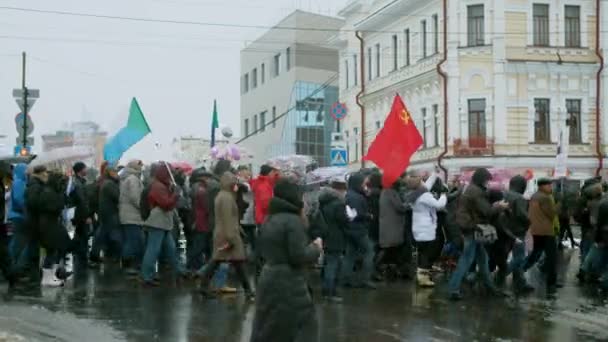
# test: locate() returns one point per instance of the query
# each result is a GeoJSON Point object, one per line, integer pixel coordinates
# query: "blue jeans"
{"type": "Point", "coordinates": [516, 266]}
{"type": "Point", "coordinates": [20, 248]}
{"type": "Point", "coordinates": [330, 273]}
{"type": "Point", "coordinates": [586, 244]}
{"type": "Point", "coordinates": [108, 238]}
{"type": "Point", "coordinates": [473, 251]}
{"type": "Point", "coordinates": [133, 242]}
{"type": "Point", "coordinates": [358, 245]}
{"type": "Point", "coordinates": [159, 239]}
{"type": "Point", "coordinates": [596, 260]}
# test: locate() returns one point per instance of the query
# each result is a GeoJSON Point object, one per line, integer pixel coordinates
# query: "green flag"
{"type": "Point", "coordinates": [214, 123]}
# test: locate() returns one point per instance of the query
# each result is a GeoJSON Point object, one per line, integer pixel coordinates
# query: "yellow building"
{"type": "Point", "coordinates": [520, 74]}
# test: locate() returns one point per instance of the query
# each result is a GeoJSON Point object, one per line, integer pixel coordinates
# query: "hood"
{"type": "Point", "coordinates": [221, 167]}
{"type": "Point", "coordinates": [327, 195]}
{"type": "Point", "coordinates": [375, 180]}
{"type": "Point", "coordinates": [480, 177]}
{"type": "Point", "coordinates": [134, 167]}
{"type": "Point", "coordinates": [355, 182]}
{"type": "Point", "coordinates": [518, 184]}
{"type": "Point", "coordinates": [227, 181]}
{"type": "Point", "coordinates": [20, 172]}
{"type": "Point", "coordinates": [161, 173]}
{"type": "Point", "coordinates": [279, 205]}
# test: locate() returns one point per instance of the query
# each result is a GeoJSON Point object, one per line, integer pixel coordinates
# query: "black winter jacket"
{"type": "Point", "coordinates": [44, 206]}
{"type": "Point", "coordinates": [355, 199]}
{"type": "Point", "coordinates": [283, 303]}
{"type": "Point", "coordinates": [109, 196]}
{"type": "Point", "coordinates": [80, 200]}
{"type": "Point", "coordinates": [333, 208]}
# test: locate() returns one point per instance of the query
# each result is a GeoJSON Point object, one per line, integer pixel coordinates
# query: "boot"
{"type": "Point", "coordinates": [423, 279]}
{"type": "Point", "coordinates": [49, 278]}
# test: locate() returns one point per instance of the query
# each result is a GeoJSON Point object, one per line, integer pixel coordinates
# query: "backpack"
{"type": "Point", "coordinates": [144, 204]}
{"type": "Point", "coordinates": [317, 224]}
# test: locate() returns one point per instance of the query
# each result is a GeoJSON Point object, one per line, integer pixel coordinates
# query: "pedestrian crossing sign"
{"type": "Point", "coordinates": [338, 157]}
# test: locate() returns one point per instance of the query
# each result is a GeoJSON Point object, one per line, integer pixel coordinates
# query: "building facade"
{"type": "Point", "coordinates": [289, 81]}
{"type": "Point", "coordinates": [83, 134]}
{"type": "Point", "coordinates": [518, 76]}
{"type": "Point", "coordinates": [194, 150]}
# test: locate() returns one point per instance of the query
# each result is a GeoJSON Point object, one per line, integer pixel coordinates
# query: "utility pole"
{"type": "Point", "coordinates": [25, 105]}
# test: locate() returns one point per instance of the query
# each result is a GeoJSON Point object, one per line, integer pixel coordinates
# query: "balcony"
{"type": "Point", "coordinates": [475, 146]}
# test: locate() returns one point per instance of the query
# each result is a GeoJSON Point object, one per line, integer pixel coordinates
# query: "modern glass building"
{"type": "Point", "coordinates": [308, 126]}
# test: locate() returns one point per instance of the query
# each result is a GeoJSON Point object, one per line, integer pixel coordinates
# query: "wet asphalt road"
{"type": "Point", "coordinates": [101, 305]}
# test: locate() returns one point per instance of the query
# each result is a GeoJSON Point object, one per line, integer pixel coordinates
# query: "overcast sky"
{"type": "Point", "coordinates": [89, 68]}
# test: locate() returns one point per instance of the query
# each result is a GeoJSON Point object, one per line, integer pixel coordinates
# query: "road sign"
{"type": "Point", "coordinates": [30, 104]}
{"type": "Point", "coordinates": [31, 93]}
{"type": "Point", "coordinates": [338, 111]}
{"type": "Point", "coordinates": [30, 141]}
{"type": "Point", "coordinates": [19, 124]}
{"type": "Point", "coordinates": [338, 157]}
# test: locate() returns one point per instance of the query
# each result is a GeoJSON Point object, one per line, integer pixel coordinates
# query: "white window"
{"type": "Point", "coordinates": [475, 23]}
{"type": "Point", "coordinates": [246, 129]}
{"type": "Point", "coordinates": [255, 124]}
{"type": "Point", "coordinates": [274, 116]}
{"type": "Point", "coordinates": [395, 53]}
{"type": "Point", "coordinates": [572, 20]}
{"type": "Point", "coordinates": [246, 83]}
{"type": "Point", "coordinates": [263, 73]}
{"type": "Point", "coordinates": [369, 64]}
{"type": "Point", "coordinates": [407, 47]}
{"type": "Point", "coordinates": [276, 65]}
{"type": "Point", "coordinates": [288, 58]}
{"type": "Point", "coordinates": [356, 71]}
{"type": "Point", "coordinates": [423, 34]}
{"type": "Point", "coordinates": [254, 78]}
{"type": "Point", "coordinates": [377, 60]}
{"type": "Point", "coordinates": [262, 121]}
{"type": "Point", "coordinates": [346, 75]}
{"type": "Point", "coordinates": [435, 34]}
{"type": "Point", "coordinates": [540, 13]}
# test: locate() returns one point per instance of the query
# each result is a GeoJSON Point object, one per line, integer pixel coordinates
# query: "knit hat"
{"type": "Point", "coordinates": [288, 190]}
{"type": "Point", "coordinates": [78, 167]}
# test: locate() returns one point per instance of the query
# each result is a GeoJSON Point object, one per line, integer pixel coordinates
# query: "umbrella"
{"type": "Point", "coordinates": [294, 164]}
{"type": "Point", "coordinates": [183, 166]}
{"type": "Point", "coordinates": [11, 159]}
{"type": "Point", "coordinates": [325, 174]}
{"type": "Point", "coordinates": [63, 154]}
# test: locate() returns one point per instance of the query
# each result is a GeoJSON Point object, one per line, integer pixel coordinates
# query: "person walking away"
{"type": "Point", "coordinates": [44, 204]}
{"type": "Point", "coordinates": [199, 250]}
{"type": "Point", "coordinates": [392, 225]}
{"type": "Point", "coordinates": [21, 247]}
{"type": "Point", "coordinates": [563, 199]}
{"type": "Point", "coordinates": [595, 266]}
{"type": "Point", "coordinates": [82, 215]}
{"type": "Point", "coordinates": [590, 195]}
{"type": "Point", "coordinates": [108, 235]}
{"type": "Point", "coordinates": [474, 209]}
{"type": "Point", "coordinates": [131, 221]}
{"type": "Point", "coordinates": [543, 216]}
{"type": "Point", "coordinates": [515, 223]}
{"type": "Point", "coordinates": [5, 261]}
{"type": "Point", "coordinates": [358, 243]}
{"type": "Point", "coordinates": [228, 245]}
{"type": "Point", "coordinates": [424, 227]}
{"type": "Point", "coordinates": [284, 310]}
{"type": "Point", "coordinates": [332, 207]}
{"type": "Point", "coordinates": [162, 200]}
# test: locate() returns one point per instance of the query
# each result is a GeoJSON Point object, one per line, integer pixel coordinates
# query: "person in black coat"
{"type": "Point", "coordinates": [333, 210]}
{"type": "Point", "coordinates": [45, 200]}
{"type": "Point", "coordinates": [82, 221]}
{"type": "Point", "coordinates": [358, 243]}
{"type": "Point", "coordinates": [108, 235]}
{"type": "Point", "coordinates": [284, 309]}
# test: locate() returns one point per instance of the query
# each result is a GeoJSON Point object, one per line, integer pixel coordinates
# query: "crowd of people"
{"type": "Point", "coordinates": [362, 232]}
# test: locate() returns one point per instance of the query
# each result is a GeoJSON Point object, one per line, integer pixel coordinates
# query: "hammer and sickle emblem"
{"type": "Point", "coordinates": [405, 117]}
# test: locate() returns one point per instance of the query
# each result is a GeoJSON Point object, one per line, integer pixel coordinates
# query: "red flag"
{"type": "Point", "coordinates": [394, 146]}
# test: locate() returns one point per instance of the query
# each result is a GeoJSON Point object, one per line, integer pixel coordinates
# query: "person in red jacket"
{"type": "Point", "coordinates": [163, 201]}
{"type": "Point", "coordinates": [262, 192]}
